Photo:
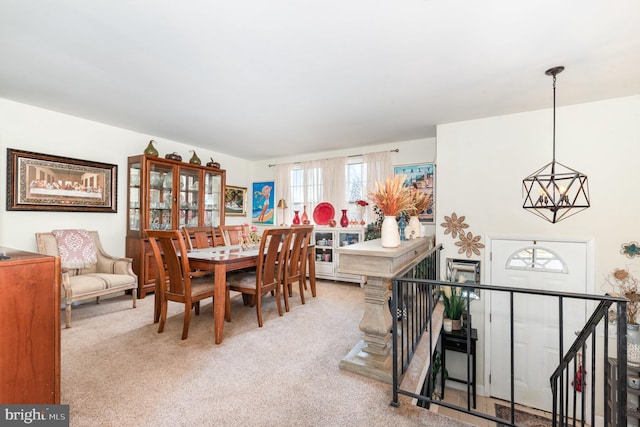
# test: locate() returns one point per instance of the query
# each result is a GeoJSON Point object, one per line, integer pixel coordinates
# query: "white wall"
{"type": "Point", "coordinates": [34, 129]}
{"type": "Point", "coordinates": [481, 164]}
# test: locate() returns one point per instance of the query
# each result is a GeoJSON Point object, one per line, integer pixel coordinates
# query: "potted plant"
{"type": "Point", "coordinates": [454, 306]}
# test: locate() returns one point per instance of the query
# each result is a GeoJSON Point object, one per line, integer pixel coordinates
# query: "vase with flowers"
{"type": "Point", "coordinates": [361, 205]}
{"type": "Point", "coordinates": [419, 202]}
{"type": "Point", "coordinates": [392, 197]}
{"type": "Point", "coordinates": [250, 239]}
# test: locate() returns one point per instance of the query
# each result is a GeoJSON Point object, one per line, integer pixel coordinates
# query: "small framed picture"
{"type": "Point", "coordinates": [235, 201]}
{"type": "Point", "coordinates": [263, 204]}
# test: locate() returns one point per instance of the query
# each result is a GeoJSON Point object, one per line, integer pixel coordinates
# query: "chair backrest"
{"type": "Point", "coordinates": [269, 269]}
{"type": "Point", "coordinates": [201, 237]}
{"type": "Point", "coordinates": [48, 245]}
{"type": "Point", "coordinates": [231, 234]}
{"type": "Point", "coordinates": [297, 257]}
{"type": "Point", "coordinates": [166, 246]}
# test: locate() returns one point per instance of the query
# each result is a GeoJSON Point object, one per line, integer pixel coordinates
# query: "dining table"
{"type": "Point", "coordinates": [223, 259]}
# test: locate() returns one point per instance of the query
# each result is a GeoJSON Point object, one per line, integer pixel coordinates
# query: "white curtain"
{"type": "Point", "coordinates": [325, 181]}
{"type": "Point", "coordinates": [378, 169]}
{"type": "Point", "coordinates": [335, 184]}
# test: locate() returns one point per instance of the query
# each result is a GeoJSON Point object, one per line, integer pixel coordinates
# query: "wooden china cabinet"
{"type": "Point", "coordinates": [166, 194]}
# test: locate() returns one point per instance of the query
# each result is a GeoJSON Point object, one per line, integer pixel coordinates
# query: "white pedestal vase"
{"type": "Point", "coordinates": [389, 233]}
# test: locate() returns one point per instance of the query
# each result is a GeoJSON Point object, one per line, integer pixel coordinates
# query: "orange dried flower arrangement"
{"type": "Point", "coordinates": [420, 202]}
{"type": "Point", "coordinates": [392, 197]}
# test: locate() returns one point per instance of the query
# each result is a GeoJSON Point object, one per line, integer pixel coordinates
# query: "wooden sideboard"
{"type": "Point", "coordinates": [29, 328]}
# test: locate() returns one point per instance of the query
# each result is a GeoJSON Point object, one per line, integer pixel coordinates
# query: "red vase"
{"type": "Point", "coordinates": [296, 218]}
{"type": "Point", "coordinates": [344, 221]}
{"type": "Point", "coordinates": [305, 217]}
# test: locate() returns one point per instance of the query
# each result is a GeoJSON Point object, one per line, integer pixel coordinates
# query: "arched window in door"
{"type": "Point", "coordinates": [536, 259]}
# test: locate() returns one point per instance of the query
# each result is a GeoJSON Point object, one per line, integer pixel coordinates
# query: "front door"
{"type": "Point", "coordinates": [547, 265]}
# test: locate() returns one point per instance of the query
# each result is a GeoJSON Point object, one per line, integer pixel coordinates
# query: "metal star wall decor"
{"type": "Point", "coordinates": [454, 225]}
{"type": "Point", "coordinates": [469, 244]}
{"type": "Point", "coordinates": [631, 249]}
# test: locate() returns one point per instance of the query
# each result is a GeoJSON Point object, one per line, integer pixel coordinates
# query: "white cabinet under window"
{"type": "Point", "coordinates": [326, 241]}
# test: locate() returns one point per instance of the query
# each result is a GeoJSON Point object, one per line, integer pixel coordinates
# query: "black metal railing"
{"type": "Point", "coordinates": [567, 408]}
{"type": "Point", "coordinates": [412, 302]}
{"type": "Point", "coordinates": [409, 325]}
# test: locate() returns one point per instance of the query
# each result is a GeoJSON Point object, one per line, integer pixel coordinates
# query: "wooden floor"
{"type": "Point", "coordinates": [485, 405]}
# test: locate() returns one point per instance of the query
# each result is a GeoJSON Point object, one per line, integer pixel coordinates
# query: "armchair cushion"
{"type": "Point", "coordinates": [76, 248]}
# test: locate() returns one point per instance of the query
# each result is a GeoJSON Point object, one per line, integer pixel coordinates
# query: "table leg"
{"type": "Point", "coordinates": [219, 296]}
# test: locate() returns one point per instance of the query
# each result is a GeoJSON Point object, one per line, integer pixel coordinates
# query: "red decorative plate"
{"type": "Point", "coordinates": [323, 213]}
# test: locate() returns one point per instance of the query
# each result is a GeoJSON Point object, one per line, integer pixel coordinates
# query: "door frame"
{"type": "Point", "coordinates": [590, 288]}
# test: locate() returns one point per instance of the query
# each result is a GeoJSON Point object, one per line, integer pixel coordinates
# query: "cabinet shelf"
{"type": "Point", "coordinates": [326, 240]}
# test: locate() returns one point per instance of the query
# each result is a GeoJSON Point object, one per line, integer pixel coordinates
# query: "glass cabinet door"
{"type": "Point", "coordinates": [212, 197]}
{"type": "Point", "coordinates": [346, 238]}
{"type": "Point", "coordinates": [323, 246]}
{"type": "Point", "coordinates": [134, 197]}
{"type": "Point", "coordinates": [160, 197]}
{"type": "Point", "coordinates": [189, 197]}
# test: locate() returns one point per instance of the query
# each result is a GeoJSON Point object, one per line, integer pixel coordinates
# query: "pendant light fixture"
{"type": "Point", "coordinates": [555, 191]}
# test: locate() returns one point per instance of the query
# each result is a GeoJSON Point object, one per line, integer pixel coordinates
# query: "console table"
{"type": "Point", "coordinates": [457, 341]}
{"type": "Point", "coordinates": [371, 357]}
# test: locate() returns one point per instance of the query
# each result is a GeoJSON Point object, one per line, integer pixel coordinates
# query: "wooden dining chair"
{"type": "Point", "coordinates": [174, 277]}
{"type": "Point", "coordinates": [231, 234]}
{"type": "Point", "coordinates": [296, 262]}
{"type": "Point", "coordinates": [267, 276]}
{"type": "Point", "coordinates": [201, 237]}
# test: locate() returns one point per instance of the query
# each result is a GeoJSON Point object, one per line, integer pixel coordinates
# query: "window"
{"type": "Point", "coordinates": [306, 187]}
{"type": "Point", "coordinates": [297, 188]}
{"type": "Point", "coordinates": [536, 259]}
{"type": "Point", "coordinates": [339, 181]}
{"type": "Point", "coordinates": [356, 172]}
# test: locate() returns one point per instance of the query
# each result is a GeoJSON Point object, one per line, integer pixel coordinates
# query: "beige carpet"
{"type": "Point", "coordinates": [118, 371]}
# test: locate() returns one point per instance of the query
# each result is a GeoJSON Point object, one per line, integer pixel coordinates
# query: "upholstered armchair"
{"type": "Point", "coordinates": [87, 270]}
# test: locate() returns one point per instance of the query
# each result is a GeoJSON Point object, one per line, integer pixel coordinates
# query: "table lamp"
{"type": "Point", "coordinates": [282, 204]}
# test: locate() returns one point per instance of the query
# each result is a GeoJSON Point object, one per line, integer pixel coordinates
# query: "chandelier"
{"type": "Point", "coordinates": [555, 192]}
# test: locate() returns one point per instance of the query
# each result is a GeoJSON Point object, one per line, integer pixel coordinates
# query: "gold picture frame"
{"type": "Point", "coordinates": [235, 201]}
{"type": "Point", "coordinates": [44, 182]}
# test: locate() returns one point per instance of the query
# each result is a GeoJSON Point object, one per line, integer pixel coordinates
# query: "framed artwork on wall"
{"type": "Point", "coordinates": [263, 204]}
{"type": "Point", "coordinates": [422, 178]}
{"type": "Point", "coordinates": [235, 201]}
{"type": "Point", "coordinates": [44, 182]}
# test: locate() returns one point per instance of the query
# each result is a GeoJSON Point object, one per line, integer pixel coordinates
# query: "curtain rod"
{"type": "Point", "coordinates": [395, 150]}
